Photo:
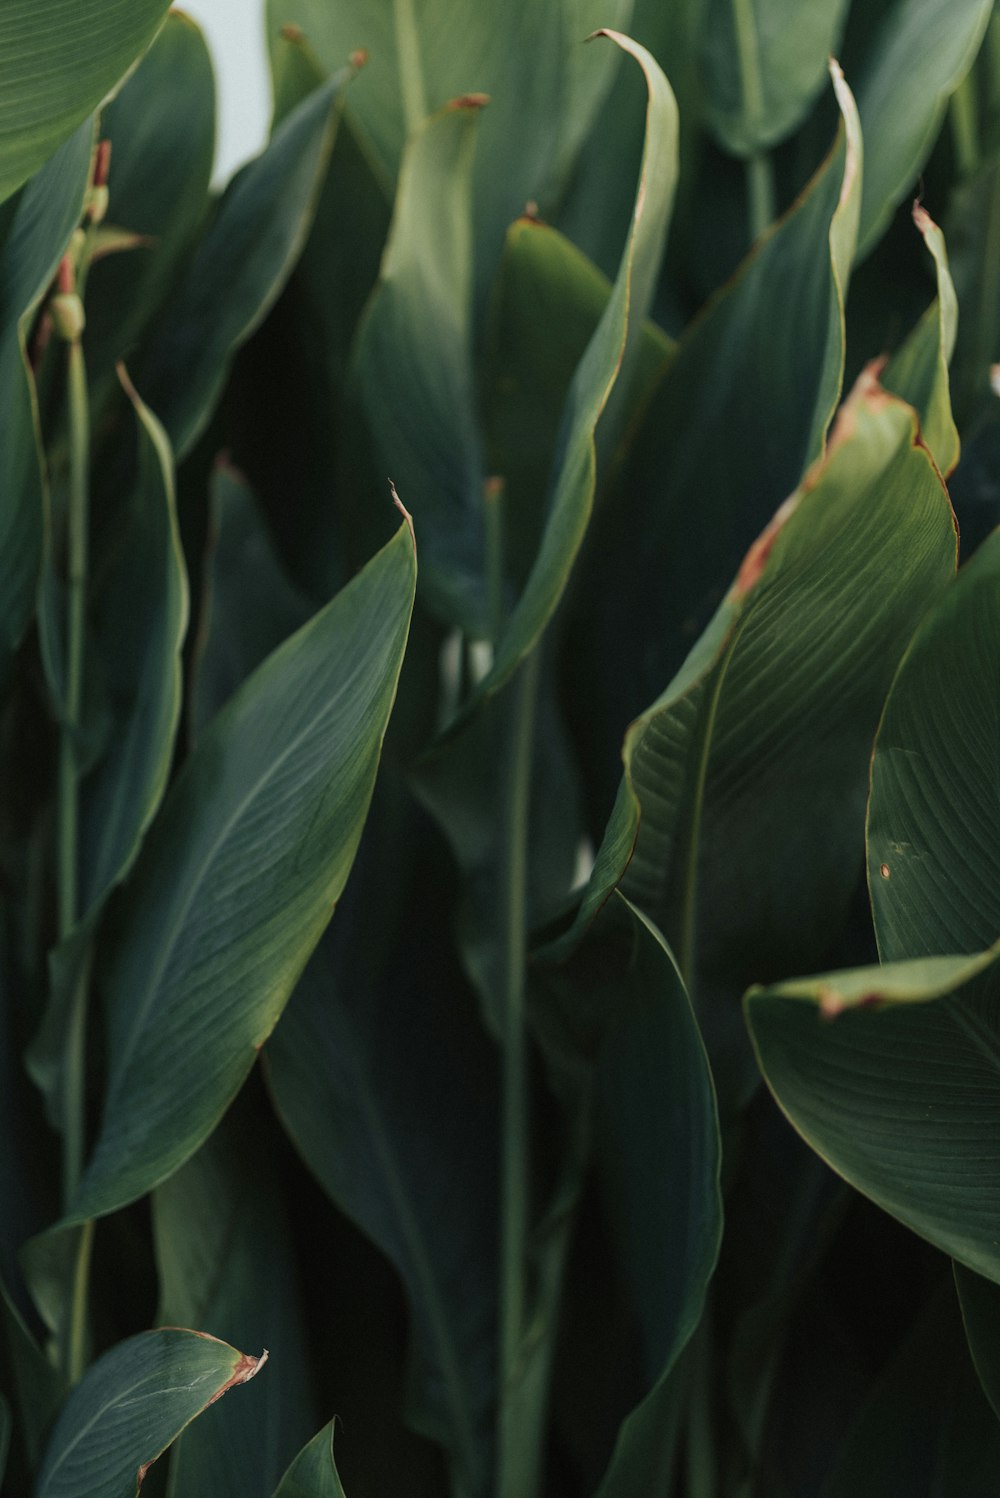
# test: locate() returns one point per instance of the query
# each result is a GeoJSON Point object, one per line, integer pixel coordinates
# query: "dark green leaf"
{"type": "Point", "coordinates": [239, 877]}
{"type": "Point", "coordinates": [129, 1407]}
{"type": "Point", "coordinates": [56, 65]}
{"type": "Point", "coordinates": [980, 1303]}
{"type": "Point", "coordinates": [238, 268]}
{"type": "Point", "coordinates": [973, 224]}
{"type": "Point", "coordinates": [933, 818]}
{"type": "Point", "coordinates": [313, 1474]}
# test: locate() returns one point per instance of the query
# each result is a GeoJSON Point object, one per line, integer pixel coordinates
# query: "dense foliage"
{"type": "Point", "coordinates": [670, 690]}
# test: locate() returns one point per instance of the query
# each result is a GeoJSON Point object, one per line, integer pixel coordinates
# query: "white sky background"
{"type": "Point", "coordinates": [234, 30]}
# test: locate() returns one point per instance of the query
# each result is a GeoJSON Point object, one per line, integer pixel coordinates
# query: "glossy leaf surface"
{"type": "Point", "coordinates": [239, 878]}
{"type": "Point", "coordinates": [132, 1403]}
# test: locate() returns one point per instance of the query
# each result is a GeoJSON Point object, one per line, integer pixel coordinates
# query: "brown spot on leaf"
{"type": "Point", "coordinates": [470, 101]}
{"type": "Point", "coordinates": [292, 33]}
{"type": "Point", "coordinates": [884, 870]}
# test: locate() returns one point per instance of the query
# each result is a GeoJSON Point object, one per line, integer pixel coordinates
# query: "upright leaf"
{"type": "Point", "coordinates": [413, 361]}
{"type": "Point", "coordinates": [56, 65]}
{"type": "Point", "coordinates": [918, 372]}
{"type": "Point", "coordinates": [919, 54]}
{"type": "Point", "coordinates": [45, 215]}
{"type": "Point", "coordinates": [239, 877]}
{"type": "Point", "coordinates": [238, 268]}
{"type": "Point", "coordinates": [764, 63]}
{"type": "Point", "coordinates": [980, 1302]}
{"type": "Point", "coordinates": [313, 1473]}
{"type": "Point", "coordinates": [933, 817]}
{"type": "Point", "coordinates": [129, 1407]}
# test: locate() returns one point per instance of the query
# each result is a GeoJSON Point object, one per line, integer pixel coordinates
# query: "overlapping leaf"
{"type": "Point", "coordinates": [129, 1407]}
{"type": "Point", "coordinates": [58, 60]}
{"type": "Point", "coordinates": [239, 877]}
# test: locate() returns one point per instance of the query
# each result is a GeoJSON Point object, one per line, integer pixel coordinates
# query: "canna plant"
{"type": "Point", "coordinates": [407, 886]}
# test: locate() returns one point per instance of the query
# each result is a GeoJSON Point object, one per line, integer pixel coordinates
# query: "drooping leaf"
{"type": "Point", "coordinates": [413, 362]}
{"type": "Point", "coordinates": [739, 821]}
{"type": "Point", "coordinates": [161, 126]}
{"type": "Point", "coordinates": [56, 65]}
{"type": "Point", "coordinates": [129, 1407]}
{"type": "Point", "coordinates": [891, 1075]}
{"type": "Point", "coordinates": [765, 61]}
{"type": "Point", "coordinates": [926, 1429]}
{"type": "Point", "coordinates": [46, 213]}
{"type": "Point", "coordinates": [919, 54]}
{"type": "Point", "coordinates": [313, 1473]}
{"type": "Point", "coordinates": [932, 852]}
{"type": "Point", "coordinates": [980, 1302]}
{"type": "Point", "coordinates": [708, 467]}
{"type": "Point", "coordinates": [603, 379]}
{"type": "Point", "coordinates": [403, 1137]}
{"type": "Point", "coordinates": [238, 268]}
{"type": "Point", "coordinates": [239, 877]}
{"type": "Point", "coordinates": [225, 1260]}
{"type": "Point", "coordinates": [918, 372]}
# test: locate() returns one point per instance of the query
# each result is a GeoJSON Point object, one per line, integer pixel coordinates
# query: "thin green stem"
{"type": "Point", "coordinates": [515, 1162]}
{"type": "Point", "coordinates": [493, 505]}
{"type": "Point", "coordinates": [411, 73]}
{"type": "Point", "coordinates": [760, 192]}
{"type": "Point", "coordinates": [75, 1354]}
{"type": "Point", "coordinates": [964, 112]}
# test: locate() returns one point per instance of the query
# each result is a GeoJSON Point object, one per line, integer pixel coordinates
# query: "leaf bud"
{"type": "Point", "coordinates": [68, 316]}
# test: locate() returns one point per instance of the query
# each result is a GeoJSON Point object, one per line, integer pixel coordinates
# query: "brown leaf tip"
{"type": "Point", "coordinates": [358, 58]}
{"type": "Point", "coordinates": [402, 510]}
{"type": "Point", "coordinates": [292, 33]}
{"type": "Point", "coordinates": [470, 101]}
{"type": "Point", "coordinates": [922, 218]}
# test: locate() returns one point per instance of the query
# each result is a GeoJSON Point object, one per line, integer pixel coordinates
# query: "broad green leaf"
{"type": "Point", "coordinates": [548, 300]}
{"type": "Point", "coordinates": [918, 372]}
{"type": "Point", "coordinates": [238, 878]}
{"type": "Point", "coordinates": [413, 362]}
{"type": "Point", "coordinates": [932, 817]}
{"type": "Point", "coordinates": [713, 460]}
{"type": "Point", "coordinates": [917, 58]}
{"type": "Point", "coordinates": [161, 126]}
{"type": "Point", "coordinates": [765, 61]}
{"type": "Point", "coordinates": [603, 378]}
{"type": "Point", "coordinates": [313, 1474]}
{"type": "Point", "coordinates": [130, 1405]}
{"type": "Point", "coordinates": [45, 215]}
{"type": "Point", "coordinates": [739, 820]}
{"type": "Point", "coordinates": [139, 621]}
{"type": "Point", "coordinates": [544, 86]}
{"type": "Point", "coordinates": [249, 605]}
{"type": "Point", "coordinates": [56, 65]}
{"type": "Point", "coordinates": [225, 1260]}
{"type": "Point", "coordinates": [926, 1429]}
{"type": "Point", "coordinates": [238, 268]}
{"type": "Point", "coordinates": [891, 1075]}
{"type": "Point", "coordinates": [402, 1136]}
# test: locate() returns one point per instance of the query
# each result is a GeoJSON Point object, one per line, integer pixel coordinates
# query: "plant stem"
{"type": "Point", "coordinates": [493, 506]}
{"type": "Point", "coordinates": [411, 75]}
{"type": "Point", "coordinates": [964, 127]}
{"type": "Point", "coordinates": [514, 1162]}
{"type": "Point", "coordinates": [760, 174]}
{"type": "Point", "coordinates": [75, 1358]}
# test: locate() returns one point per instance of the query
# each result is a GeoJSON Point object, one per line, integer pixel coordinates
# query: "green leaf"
{"type": "Point", "coordinates": [413, 362]}
{"type": "Point", "coordinates": [980, 1302]}
{"type": "Point", "coordinates": [403, 1137]}
{"type": "Point", "coordinates": [35, 1387]}
{"type": "Point", "coordinates": [56, 65]}
{"type": "Point", "coordinates": [918, 372]}
{"type": "Point", "coordinates": [129, 1407]}
{"type": "Point", "coordinates": [5, 1429]}
{"type": "Point", "coordinates": [765, 61]}
{"type": "Point", "coordinates": [973, 223]}
{"type": "Point", "coordinates": [238, 878]}
{"type": "Point", "coordinates": [161, 126]}
{"type": "Point", "coordinates": [919, 55]}
{"type": "Point", "coordinates": [713, 459]}
{"type": "Point", "coordinates": [739, 821]}
{"type": "Point", "coordinates": [932, 818]}
{"type": "Point", "coordinates": [926, 1429]}
{"type": "Point", "coordinates": [238, 268]}
{"type": "Point", "coordinates": [545, 89]}
{"type": "Point", "coordinates": [140, 619]}
{"type": "Point", "coordinates": [225, 1259]}
{"type": "Point", "coordinates": [313, 1474]}
{"type": "Point", "coordinates": [601, 385]}
{"type": "Point", "coordinates": [891, 1075]}
{"type": "Point", "coordinates": [45, 215]}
